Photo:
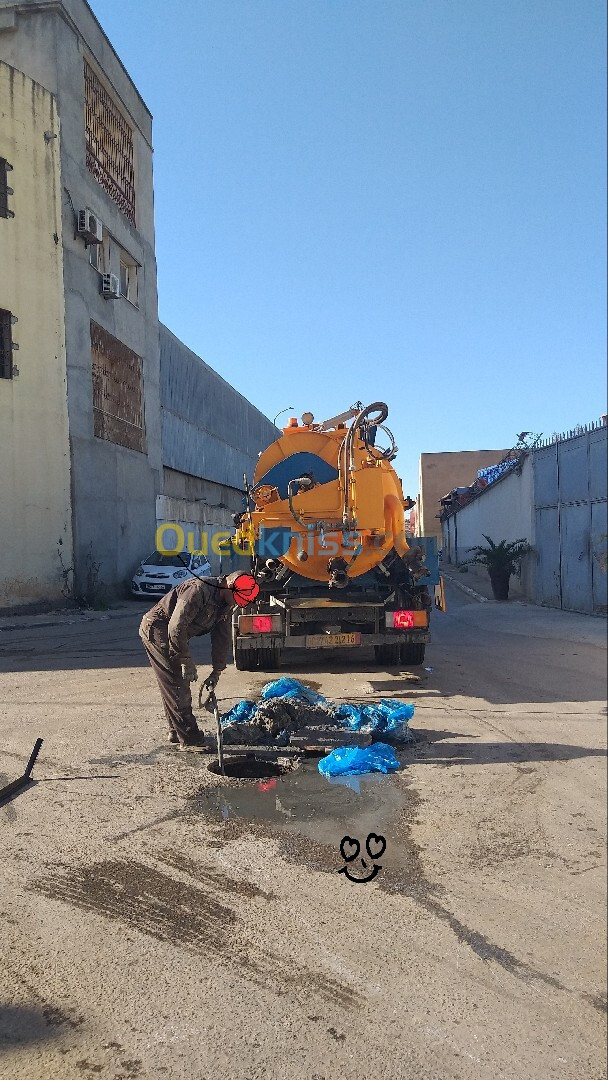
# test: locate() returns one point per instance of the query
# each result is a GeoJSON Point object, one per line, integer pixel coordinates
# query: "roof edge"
{"type": "Point", "coordinates": [217, 374]}
{"type": "Point", "coordinates": [58, 7]}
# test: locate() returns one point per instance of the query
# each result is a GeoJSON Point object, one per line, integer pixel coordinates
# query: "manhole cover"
{"type": "Point", "coordinates": [249, 768]}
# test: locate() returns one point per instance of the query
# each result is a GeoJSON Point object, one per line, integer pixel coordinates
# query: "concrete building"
{"type": "Point", "coordinates": [211, 437]}
{"type": "Point", "coordinates": [35, 503]}
{"type": "Point", "coordinates": [85, 251]}
{"type": "Point", "coordinates": [438, 474]}
{"type": "Point", "coordinates": [95, 453]}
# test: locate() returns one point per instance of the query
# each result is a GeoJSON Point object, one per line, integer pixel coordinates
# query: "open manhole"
{"type": "Point", "coordinates": [250, 767]}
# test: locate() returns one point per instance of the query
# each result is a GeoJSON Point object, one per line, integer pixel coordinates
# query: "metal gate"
{"type": "Point", "coordinates": [570, 501]}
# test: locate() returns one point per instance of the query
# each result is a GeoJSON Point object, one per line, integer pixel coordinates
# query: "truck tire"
{"type": "Point", "coordinates": [413, 655]}
{"type": "Point", "coordinates": [389, 655]}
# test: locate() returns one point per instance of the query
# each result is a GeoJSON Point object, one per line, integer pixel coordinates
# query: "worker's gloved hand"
{"type": "Point", "coordinates": [189, 672]}
{"type": "Point", "coordinates": [212, 680]}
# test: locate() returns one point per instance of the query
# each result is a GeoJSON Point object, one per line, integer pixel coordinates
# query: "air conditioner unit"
{"type": "Point", "coordinates": [110, 286]}
{"type": "Point", "coordinates": [90, 227]}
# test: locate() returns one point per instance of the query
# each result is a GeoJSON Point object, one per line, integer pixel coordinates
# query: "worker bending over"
{"type": "Point", "coordinates": [198, 606]}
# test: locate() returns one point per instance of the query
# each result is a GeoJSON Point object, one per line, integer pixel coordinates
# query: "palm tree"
{"type": "Point", "coordinates": [501, 560]}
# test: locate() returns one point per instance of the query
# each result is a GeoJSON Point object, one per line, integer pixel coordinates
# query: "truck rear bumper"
{"type": "Point", "coordinates": [274, 641]}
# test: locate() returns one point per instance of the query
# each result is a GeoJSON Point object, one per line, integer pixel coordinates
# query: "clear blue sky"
{"type": "Point", "coordinates": [390, 199]}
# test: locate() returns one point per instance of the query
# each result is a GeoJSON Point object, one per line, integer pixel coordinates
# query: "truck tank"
{"type": "Point", "coordinates": [323, 531]}
{"type": "Point", "coordinates": [326, 502]}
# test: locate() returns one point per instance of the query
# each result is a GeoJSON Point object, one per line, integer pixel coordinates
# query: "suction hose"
{"type": "Point", "coordinates": [301, 483]}
{"type": "Point", "coordinates": [348, 449]}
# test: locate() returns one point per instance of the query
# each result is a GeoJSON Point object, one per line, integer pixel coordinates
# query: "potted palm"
{"type": "Point", "coordinates": [501, 560]}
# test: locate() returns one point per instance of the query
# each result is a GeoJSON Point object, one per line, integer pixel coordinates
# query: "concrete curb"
{"type": "Point", "coordinates": [466, 589]}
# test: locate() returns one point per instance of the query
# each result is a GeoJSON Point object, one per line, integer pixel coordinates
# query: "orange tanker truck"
{"type": "Point", "coordinates": [323, 532]}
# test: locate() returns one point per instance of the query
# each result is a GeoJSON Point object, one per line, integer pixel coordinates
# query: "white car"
{"type": "Point", "coordinates": [160, 573]}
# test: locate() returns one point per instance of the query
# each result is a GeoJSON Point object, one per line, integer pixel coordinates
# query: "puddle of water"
{"type": "Point", "coordinates": [305, 802]}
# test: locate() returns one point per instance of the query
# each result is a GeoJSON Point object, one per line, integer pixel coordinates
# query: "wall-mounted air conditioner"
{"type": "Point", "coordinates": [90, 227]}
{"type": "Point", "coordinates": [110, 286]}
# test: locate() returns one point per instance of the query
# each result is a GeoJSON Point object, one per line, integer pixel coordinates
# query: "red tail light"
{"type": "Point", "coordinates": [406, 620]}
{"type": "Point", "coordinates": [402, 620]}
{"type": "Point", "coordinates": [259, 624]}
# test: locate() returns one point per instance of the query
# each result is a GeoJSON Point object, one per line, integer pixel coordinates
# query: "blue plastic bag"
{"type": "Point", "coordinates": [388, 716]}
{"type": "Point", "coordinates": [241, 713]}
{"type": "Point", "coordinates": [398, 715]}
{"type": "Point", "coordinates": [290, 688]}
{"type": "Point", "coordinates": [348, 760]}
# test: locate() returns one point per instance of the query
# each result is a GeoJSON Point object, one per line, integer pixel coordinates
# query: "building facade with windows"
{"type": "Point", "coordinates": [105, 431]}
{"type": "Point", "coordinates": [79, 379]}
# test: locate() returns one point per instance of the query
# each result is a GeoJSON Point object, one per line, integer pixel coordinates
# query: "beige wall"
{"type": "Point", "coordinates": [34, 448]}
{"type": "Point", "coordinates": [439, 473]}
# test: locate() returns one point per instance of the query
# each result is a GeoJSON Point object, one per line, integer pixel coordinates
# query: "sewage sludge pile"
{"type": "Point", "coordinates": [287, 707]}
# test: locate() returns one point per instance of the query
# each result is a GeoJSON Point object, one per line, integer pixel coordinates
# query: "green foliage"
{"type": "Point", "coordinates": [503, 557]}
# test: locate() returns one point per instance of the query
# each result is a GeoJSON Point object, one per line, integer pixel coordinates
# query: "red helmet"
{"type": "Point", "coordinates": [243, 587]}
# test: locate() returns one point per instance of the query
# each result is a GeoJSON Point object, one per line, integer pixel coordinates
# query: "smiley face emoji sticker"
{"type": "Point", "coordinates": [375, 846]}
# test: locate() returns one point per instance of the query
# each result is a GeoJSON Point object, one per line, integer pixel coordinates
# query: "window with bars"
{"type": "Point", "coordinates": [118, 412]}
{"type": "Point", "coordinates": [6, 344]}
{"type": "Point", "coordinates": [5, 190]}
{"type": "Point", "coordinates": [109, 144]}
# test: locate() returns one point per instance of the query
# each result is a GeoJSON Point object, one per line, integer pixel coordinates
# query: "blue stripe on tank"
{"type": "Point", "coordinates": [297, 465]}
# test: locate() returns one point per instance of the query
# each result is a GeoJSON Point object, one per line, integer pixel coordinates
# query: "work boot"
{"type": "Point", "coordinates": [196, 743]}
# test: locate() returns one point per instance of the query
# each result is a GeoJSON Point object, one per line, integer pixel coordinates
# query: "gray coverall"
{"type": "Point", "coordinates": [189, 610]}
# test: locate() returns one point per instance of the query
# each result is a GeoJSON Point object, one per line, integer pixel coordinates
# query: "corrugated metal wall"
{"type": "Point", "coordinates": [570, 503]}
{"type": "Point", "coordinates": [558, 501]}
{"type": "Point", "coordinates": [208, 428]}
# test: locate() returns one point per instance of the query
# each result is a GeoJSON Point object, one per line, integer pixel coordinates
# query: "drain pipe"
{"type": "Point", "coordinates": [338, 577]}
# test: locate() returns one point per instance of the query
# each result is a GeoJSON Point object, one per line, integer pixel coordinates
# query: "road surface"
{"type": "Point", "coordinates": [160, 921]}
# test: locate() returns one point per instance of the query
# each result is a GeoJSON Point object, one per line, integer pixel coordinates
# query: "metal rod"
{"type": "Point", "coordinates": [211, 706]}
{"type": "Point", "coordinates": [15, 785]}
{"type": "Point", "coordinates": [33, 756]}
{"type": "Point", "coordinates": [218, 728]}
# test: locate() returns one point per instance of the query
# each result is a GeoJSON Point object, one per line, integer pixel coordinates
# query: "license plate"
{"type": "Point", "coordinates": [157, 588]}
{"type": "Point", "coordinates": [330, 641]}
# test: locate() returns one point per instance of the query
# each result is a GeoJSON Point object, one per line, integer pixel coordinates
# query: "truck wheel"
{"type": "Point", "coordinates": [413, 655]}
{"type": "Point", "coordinates": [389, 655]}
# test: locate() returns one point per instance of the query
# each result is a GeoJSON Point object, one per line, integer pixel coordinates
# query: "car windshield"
{"type": "Point", "coordinates": [157, 559]}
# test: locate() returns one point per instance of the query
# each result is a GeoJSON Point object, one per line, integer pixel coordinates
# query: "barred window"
{"type": "Point", "coordinates": [5, 190]}
{"type": "Point", "coordinates": [109, 140]}
{"type": "Point", "coordinates": [118, 413]}
{"type": "Point", "coordinates": [6, 345]}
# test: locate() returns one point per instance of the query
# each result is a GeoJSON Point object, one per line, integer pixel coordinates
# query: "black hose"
{"type": "Point", "coordinates": [348, 454]}
{"type": "Point", "coordinates": [304, 483]}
